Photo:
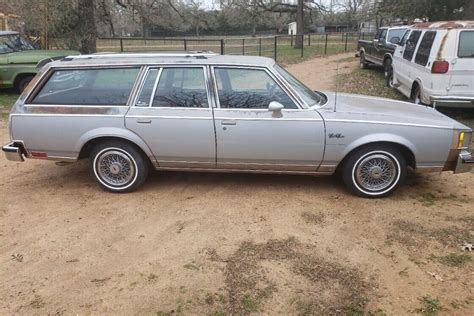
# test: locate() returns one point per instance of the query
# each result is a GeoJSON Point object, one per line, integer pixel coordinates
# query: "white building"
{"type": "Point", "coordinates": [292, 28]}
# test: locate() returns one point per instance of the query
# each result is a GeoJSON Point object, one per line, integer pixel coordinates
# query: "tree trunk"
{"type": "Point", "coordinates": [88, 29]}
{"type": "Point", "coordinates": [299, 24]}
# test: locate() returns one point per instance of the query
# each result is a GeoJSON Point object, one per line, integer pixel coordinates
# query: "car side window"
{"type": "Point", "coordinates": [181, 87]}
{"type": "Point", "coordinates": [240, 88]}
{"type": "Point", "coordinates": [88, 87]}
{"type": "Point", "coordinates": [411, 45]}
{"type": "Point", "coordinates": [466, 44]}
{"type": "Point", "coordinates": [424, 50]}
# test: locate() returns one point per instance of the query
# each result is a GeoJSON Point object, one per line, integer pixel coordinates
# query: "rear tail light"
{"type": "Point", "coordinates": [440, 67]}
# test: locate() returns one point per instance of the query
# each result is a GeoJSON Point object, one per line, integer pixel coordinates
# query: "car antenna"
{"type": "Point", "coordinates": [337, 78]}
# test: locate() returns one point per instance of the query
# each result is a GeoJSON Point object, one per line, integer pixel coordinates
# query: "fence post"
{"type": "Point", "coordinates": [121, 45]}
{"type": "Point", "coordinates": [243, 46]}
{"type": "Point", "coordinates": [185, 44]}
{"type": "Point", "coordinates": [291, 38]}
{"type": "Point", "coordinates": [302, 44]}
{"type": "Point", "coordinates": [260, 47]}
{"type": "Point", "coordinates": [345, 46]}
{"type": "Point", "coordinates": [222, 47]}
{"type": "Point", "coordinates": [363, 35]}
{"type": "Point", "coordinates": [309, 39]}
{"type": "Point", "coordinates": [326, 45]}
{"type": "Point", "coordinates": [275, 46]}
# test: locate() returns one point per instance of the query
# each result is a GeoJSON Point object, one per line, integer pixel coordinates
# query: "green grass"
{"type": "Point", "coordinates": [7, 99]}
{"type": "Point", "coordinates": [455, 260]}
{"type": "Point", "coordinates": [431, 306]}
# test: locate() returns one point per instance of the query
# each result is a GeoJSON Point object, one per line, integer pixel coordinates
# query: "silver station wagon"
{"type": "Point", "coordinates": [130, 113]}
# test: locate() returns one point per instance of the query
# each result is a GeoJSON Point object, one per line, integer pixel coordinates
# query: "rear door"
{"type": "Point", "coordinates": [173, 115]}
{"type": "Point", "coordinates": [462, 66]}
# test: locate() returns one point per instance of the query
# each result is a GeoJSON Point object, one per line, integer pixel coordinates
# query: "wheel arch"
{"type": "Point", "coordinates": [406, 148]}
{"type": "Point", "coordinates": [90, 139]}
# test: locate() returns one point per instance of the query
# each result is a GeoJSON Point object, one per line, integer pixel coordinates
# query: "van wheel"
{"type": "Point", "coordinates": [118, 166]}
{"type": "Point", "coordinates": [363, 63]}
{"type": "Point", "coordinates": [23, 83]}
{"type": "Point", "coordinates": [389, 80]}
{"type": "Point", "coordinates": [387, 67]}
{"type": "Point", "coordinates": [374, 171]}
{"type": "Point", "coordinates": [416, 95]}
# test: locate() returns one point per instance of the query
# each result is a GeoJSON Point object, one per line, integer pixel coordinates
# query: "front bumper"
{"type": "Point", "coordinates": [465, 162]}
{"type": "Point", "coordinates": [15, 151]}
{"type": "Point", "coordinates": [453, 101]}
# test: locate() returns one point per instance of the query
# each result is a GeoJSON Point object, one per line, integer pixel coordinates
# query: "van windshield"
{"type": "Point", "coordinates": [466, 44]}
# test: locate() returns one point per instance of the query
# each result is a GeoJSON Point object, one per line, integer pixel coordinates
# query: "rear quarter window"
{"type": "Point", "coordinates": [466, 44]}
{"type": "Point", "coordinates": [88, 87]}
{"type": "Point", "coordinates": [424, 50]}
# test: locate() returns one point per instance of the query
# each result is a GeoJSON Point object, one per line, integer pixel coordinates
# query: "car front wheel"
{"type": "Point", "coordinates": [118, 166]}
{"type": "Point", "coordinates": [374, 171]}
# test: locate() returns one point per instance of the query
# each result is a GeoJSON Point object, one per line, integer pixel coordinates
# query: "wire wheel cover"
{"type": "Point", "coordinates": [376, 172]}
{"type": "Point", "coordinates": [116, 168]}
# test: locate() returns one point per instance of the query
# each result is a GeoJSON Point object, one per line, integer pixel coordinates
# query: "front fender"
{"type": "Point", "coordinates": [380, 137]}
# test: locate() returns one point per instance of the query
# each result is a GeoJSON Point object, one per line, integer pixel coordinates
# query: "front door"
{"type": "Point", "coordinates": [173, 115]}
{"type": "Point", "coordinates": [250, 137]}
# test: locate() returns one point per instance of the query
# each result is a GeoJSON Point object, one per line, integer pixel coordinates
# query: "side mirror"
{"type": "Point", "coordinates": [275, 106]}
{"type": "Point", "coordinates": [395, 40]}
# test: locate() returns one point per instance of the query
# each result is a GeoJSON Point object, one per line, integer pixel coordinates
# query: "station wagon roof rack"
{"type": "Point", "coordinates": [196, 54]}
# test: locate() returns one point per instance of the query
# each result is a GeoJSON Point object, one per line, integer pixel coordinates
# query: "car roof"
{"type": "Point", "coordinates": [445, 25]}
{"type": "Point", "coordinates": [197, 58]}
{"type": "Point", "coordinates": [8, 33]}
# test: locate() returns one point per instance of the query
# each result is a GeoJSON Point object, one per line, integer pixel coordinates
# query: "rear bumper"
{"type": "Point", "coordinates": [15, 151]}
{"type": "Point", "coordinates": [465, 162]}
{"type": "Point", "coordinates": [453, 101]}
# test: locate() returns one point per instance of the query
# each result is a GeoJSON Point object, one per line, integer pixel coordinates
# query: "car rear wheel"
{"type": "Point", "coordinates": [118, 166]}
{"type": "Point", "coordinates": [374, 171]}
{"type": "Point", "coordinates": [363, 63]}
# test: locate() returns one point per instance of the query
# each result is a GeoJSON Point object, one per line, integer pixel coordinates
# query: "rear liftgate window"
{"type": "Point", "coordinates": [88, 87]}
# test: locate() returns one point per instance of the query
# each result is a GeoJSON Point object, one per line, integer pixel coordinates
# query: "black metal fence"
{"type": "Point", "coordinates": [283, 48]}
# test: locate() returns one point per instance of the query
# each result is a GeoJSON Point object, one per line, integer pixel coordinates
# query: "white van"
{"type": "Point", "coordinates": [434, 64]}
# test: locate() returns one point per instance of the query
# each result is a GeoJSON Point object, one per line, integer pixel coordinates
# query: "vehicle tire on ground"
{"type": "Point", "coordinates": [118, 166]}
{"type": "Point", "coordinates": [363, 63]}
{"type": "Point", "coordinates": [416, 95]}
{"type": "Point", "coordinates": [23, 83]}
{"type": "Point", "coordinates": [374, 171]}
{"type": "Point", "coordinates": [387, 67]}
{"type": "Point", "coordinates": [389, 80]}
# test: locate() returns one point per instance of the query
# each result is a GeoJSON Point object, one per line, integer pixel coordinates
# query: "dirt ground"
{"type": "Point", "coordinates": [231, 244]}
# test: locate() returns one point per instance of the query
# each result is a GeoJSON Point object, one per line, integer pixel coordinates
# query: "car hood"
{"type": "Point", "coordinates": [375, 109]}
{"type": "Point", "coordinates": [33, 56]}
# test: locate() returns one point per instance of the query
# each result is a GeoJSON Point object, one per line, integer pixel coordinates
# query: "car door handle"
{"type": "Point", "coordinates": [228, 123]}
{"type": "Point", "coordinates": [143, 121]}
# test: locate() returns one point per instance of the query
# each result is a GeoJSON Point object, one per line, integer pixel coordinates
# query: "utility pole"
{"type": "Point", "coordinates": [299, 25]}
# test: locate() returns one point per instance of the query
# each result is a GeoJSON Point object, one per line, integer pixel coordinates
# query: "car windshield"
{"type": "Point", "coordinates": [395, 33]}
{"type": "Point", "coordinates": [14, 43]}
{"type": "Point", "coordinates": [310, 97]}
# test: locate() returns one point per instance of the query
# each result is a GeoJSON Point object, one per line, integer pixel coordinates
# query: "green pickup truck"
{"type": "Point", "coordinates": [19, 60]}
